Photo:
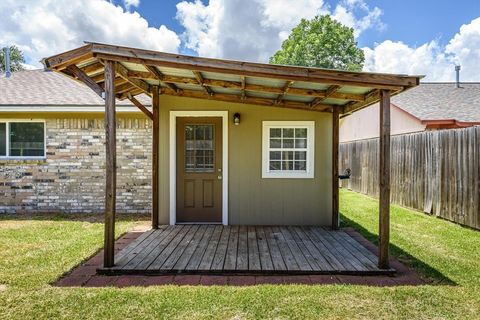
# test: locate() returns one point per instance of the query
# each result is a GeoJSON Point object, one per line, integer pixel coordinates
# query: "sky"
{"type": "Point", "coordinates": [416, 37]}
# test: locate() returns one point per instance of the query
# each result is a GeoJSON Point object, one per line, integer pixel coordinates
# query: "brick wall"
{"type": "Point", "coordinates": [72, 177]}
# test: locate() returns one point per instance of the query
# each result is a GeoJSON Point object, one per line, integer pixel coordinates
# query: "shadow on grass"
{"type": "Point", "coordinates": [79, 217]}
{"type": "Point", "coordinates": [425, 269]}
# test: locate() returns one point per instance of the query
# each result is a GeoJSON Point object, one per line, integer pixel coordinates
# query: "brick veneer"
{"type": "Point", "coordinates": [71, 178]}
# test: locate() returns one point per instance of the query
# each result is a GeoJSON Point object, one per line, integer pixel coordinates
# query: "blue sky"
{"type": "Point", "coordinates": [413, 22]}
{"type": "Point", "coordinates": [398, 36]}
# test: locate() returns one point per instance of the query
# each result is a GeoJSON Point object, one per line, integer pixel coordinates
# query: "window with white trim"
{"type": "Point", "coordinates": [288, 149]}
{"type": "Point", "coordinates": [22, 139]}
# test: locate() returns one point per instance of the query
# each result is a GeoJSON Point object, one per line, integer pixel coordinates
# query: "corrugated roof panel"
{"type": "Point", "coordinates": [298, 98]}
{"type": "Point", "coordinates": [310, 85]}
{"type": "Point", "coordinates": [220, 76]}
{"type": "Point", "coordinates": [266, 82]}
{"type": "Point", "coordinates": [354, 90]}
{"type": "Point", "coordinates": [226, 90]}
{"type": "Point", "coordinates": [335, 101]}
{"type": "Point", "coordinates": [187, 86]}
{"type": "Point", "coordinates": [134, 66]}
{"type": "Point", "coordinates": [176, 72]}
{"type": "Point", "coordinates": [262, 95]}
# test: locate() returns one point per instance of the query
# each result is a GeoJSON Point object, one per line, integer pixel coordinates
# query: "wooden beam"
{"type": "Point", "coordinates": [140, 84]}
{"type": "Point", "coordinates": [155, 156]}
{"type": "Point", "coordinates": [335, 147]}
{"type": "Point", "coordinates": [384, 178]}
{"type": "Point", "coordinates": [93, 68]}
{"type": "Point", "coordinates": [160, 77]}
{"type": "Point", "coordinates": [248, 100]}
{"type": "Point", "coordinates": [328, 94]}
{"type": "Point", "coordinates": [140, 106]}
{"type": "Point", "coordinates": [370, 98]}
{"type": "Point", "coordinates": [83, 77]}
{"type": "Point", "coordinates": [110, 164]}
{"type": "Point", "coordinates": [242, 85]}
{"type": "Point", "coordinates": [284, 91]}
{"type": "Point", "coordinates": [201, 81]}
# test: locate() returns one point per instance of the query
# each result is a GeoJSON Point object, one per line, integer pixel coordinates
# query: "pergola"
{"type": "Point", "coordinates": [116, 72]}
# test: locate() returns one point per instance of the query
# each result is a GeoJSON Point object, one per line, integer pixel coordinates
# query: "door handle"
{"type": "Point", "coordinates": [219, 177]}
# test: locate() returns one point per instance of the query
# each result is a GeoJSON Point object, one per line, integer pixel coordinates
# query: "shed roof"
{"type": "Point", "coordinates": [138, 70]}
{"type": "Point", "coordinates": [439, 101]}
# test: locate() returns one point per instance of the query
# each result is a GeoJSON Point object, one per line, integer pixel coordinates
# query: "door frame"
{"type": "Point", "coordinates": [173, 159]}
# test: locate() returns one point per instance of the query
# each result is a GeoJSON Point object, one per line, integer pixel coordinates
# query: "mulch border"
{"type": "Point", "coordinates": [85, 275]}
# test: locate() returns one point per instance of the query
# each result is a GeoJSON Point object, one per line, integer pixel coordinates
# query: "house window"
{"type": "Point", "coordinates": [20, 139]}
{"type": "Point", "coordinates": [288, 149]}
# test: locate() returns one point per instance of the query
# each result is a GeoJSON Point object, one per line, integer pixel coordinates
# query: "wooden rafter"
{"type": "Point", "coordinates": [201, 81]}
{"type": "Point", "coordinates": [284, 91]}
{"type": "Point", "coordinates": [160, 77]}
{"type": "Point", "coordinates": [370, 98]}
{"type": "Point", "coordinates": [328, 94]}
{"type": "Point", "coordinates": [82, 76]}
{"type": "Point", "coordinates": [140, 84]}
{"type": "Point", "coordinates": [242, 85]}
{"type": "Point", "coordinates": [140, 106]}
{"type": "Point", "coordinates": [248, 99]}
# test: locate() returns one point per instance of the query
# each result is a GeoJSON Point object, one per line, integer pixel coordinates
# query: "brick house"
{"type": "Point", "coordinates": [52, 158]}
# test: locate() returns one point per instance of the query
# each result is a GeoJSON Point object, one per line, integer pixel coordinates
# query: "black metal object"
{"type": "Point", "coordinates": [346, 174]}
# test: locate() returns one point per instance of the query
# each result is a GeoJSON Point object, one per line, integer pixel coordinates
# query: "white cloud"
{"type": "Point", "coordinates": [131, 3]}
{"type": "Point", "coordinates": [430, 59]}
{"type": "Point", "coordinates": [254, 30]}
{"type": "Point", "coordinates": [46, 27]}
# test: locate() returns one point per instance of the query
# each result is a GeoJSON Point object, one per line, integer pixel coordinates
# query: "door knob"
{"type": "Point", "coordinates": [219, 177]}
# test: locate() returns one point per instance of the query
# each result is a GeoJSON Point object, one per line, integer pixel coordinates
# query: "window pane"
{"type": "Point", "coordinates": [300, 155]}
{"type": "Point", "coordinates": [287, 155]}
{"type": "Point", "coordinates": [300, 165]}
{"type": "Point", "coordinates": [275, 165]}
{"type": "Point", "coordinates": [287, 165]}
{"type": "Point", "coordinates": [287, 132]}
{"type": "Point", "coordinates": [301, 143]}
{"type": "Point", "coordinates": [26, 139]}
{"type": "Point", "coordinates": [275, 143]}
{"type": "Point", "coordinates": [300, 132]}
{"type": "Point", "coordinates": [287, 143]}
{"type": "Point", "coordinates": [3, 139]}
{"type": "Point", "coordinates": [275, 155]}
{"type": "Point", "coordinates": [275, 133]}
{"type": "Point", "coordinates": [199, 148]}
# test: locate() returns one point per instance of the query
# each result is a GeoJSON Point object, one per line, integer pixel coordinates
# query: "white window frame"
{"type": "Point", "coordinates": [7, 122]}
{"type": "Point", "coordinates": [309, 172]}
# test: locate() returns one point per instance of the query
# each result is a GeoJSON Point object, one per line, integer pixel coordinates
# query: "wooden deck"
{"type": "Point", "coordinates": [216, 249]}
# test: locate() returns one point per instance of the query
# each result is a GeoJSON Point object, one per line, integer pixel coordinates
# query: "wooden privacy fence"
{"type": "Point", "coordinates": [437, 172]}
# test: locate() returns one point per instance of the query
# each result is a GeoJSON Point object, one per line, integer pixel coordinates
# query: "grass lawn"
{"type": "Point", "coordinates": [36, 251]}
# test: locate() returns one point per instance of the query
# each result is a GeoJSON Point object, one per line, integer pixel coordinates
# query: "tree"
{"type": "Point", "coordinates": [16, 59]}
{"type": "Point", "coordinates": [321, 42]}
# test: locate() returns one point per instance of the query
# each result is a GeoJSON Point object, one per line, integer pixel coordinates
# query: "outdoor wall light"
{"type": "Point", "coordinates": [236, 119]}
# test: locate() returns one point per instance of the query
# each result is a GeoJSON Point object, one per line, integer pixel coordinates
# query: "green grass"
{"type": "Point", "coordinates": [36, 251]}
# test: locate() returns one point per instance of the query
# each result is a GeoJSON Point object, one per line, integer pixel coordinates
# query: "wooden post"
{"type": "Point", "coordinates": [155, 158]}
{"type": "Point", "coordinates": [384, 179]}
{"type": "Point", "coordinates": [335, 145]}
{"type": "Point", "coordinates": [110, 164]}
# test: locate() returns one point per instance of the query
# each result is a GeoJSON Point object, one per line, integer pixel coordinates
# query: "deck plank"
{"type": "Point", "coordinates": [288, 257]}
{"type": "Point", "coordinates": [138, 249]}
{"type": "Point", "coordinates": [242, 249]}
{"type": "Point", "coordinates": [179, 249]}
{"type": "Point", "coordinates": [231, 256]}
{"type": "Point", "coordinates": [220, 253]}
{"type": "Point", "coordinates": [304, 250]}
{"type": "Point", "coordinates": [200, 250]}
{"type": "Point", "coordinates": [253, 253]}
{"type": "Point", "coordinates": [326, 253]}
{"type": "Point", "coordinates": [133, 244]}
{"type": "Point", "coordinates": [317, 255]}
{"type": "Point", "coordinates": [264, 251]}
{"type": "Point", "coordinates": [277, 259]}
{"type": "Point", "coordinates": [296, 251]}
{"type": "Point", "coordinates": [207, 259]}
{"type": "Point", "coordinates": [187, 254]}
{"type": "Point", "coordinates": [163, 256]}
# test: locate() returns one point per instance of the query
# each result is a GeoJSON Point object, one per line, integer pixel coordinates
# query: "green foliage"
{"type": "Point", "coordinates": [16, 59]}
{"type": "Point", "coordinates": [321, 42]}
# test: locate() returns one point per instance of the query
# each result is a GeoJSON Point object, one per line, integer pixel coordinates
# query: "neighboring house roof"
{"type": "Point", "coordinates": [441, 101]}
{"type": "Point", "coordinates": [47, 88]}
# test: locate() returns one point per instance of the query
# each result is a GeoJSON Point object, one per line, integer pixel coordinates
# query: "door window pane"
{"type": "Point", "coordinates": [3, 139]}
{"type": "Point", "coordinates": [199, 148]}
{"type": "Point", "coordinates": [27, 139]}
